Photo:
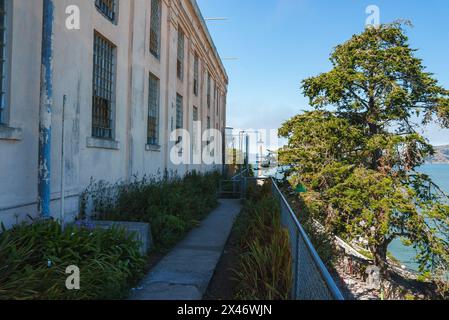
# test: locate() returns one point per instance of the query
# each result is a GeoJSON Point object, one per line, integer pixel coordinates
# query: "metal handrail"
{"type": "Point", "coordinates": [330, 283]}
{"type": "Point", "coordinates": [238, 175]}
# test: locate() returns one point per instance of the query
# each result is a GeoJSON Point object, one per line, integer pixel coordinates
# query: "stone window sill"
{"type": "Point", "coordinates": [11, 134]}
{"type": "Point", "coordinates": [153, 148]}
{"type": "Point", "coordinates": [102, 144]}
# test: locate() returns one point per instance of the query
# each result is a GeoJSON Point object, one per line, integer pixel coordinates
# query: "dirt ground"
{"type": "Point", "coordinates": [222, 285]}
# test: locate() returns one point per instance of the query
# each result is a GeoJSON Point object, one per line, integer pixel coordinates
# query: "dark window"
{"type": "Point", "coordinates": [153, 111]}
{"type": "Point", "coordinates": [179, 112]}
{"type": "Point", "coordinates": [195, 113]}
{"type": "Point", "coordinates": [108, 8]}
{"type": "Point", "coordinates": [218, 102]}
{"type": "Point", "coordinates": [195, 129]}
{"type": "Point", "coordinates": [196, 71]}
{"type": "Point", "coordinates": [155, 28]}
{"type": "Point", "coordinates": [180, 60]}
{"type": "Point", "coordinates": [103, 87]}
{"type": "Point", "coordinates": [208, 90]}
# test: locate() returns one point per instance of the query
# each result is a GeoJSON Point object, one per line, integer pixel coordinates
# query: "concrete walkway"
{"type": "Point", "coordinates": [185, 273]}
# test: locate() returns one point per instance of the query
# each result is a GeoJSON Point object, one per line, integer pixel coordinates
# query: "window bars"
{"type": "Point", "coordinates": [103, 87]}
{"type": "Point", "coordinates": [3, 58]}
{"type": "Point", "coordinates": [108, 8]}
{"type": "Point", "coordinates": [208, 90]}
{"type": "Point", "coordinates": [155, 28]}
{"type": "Point", "coordinates": [179, 112]}
{"type": "Point", "coordinates": [153, 111]}
{"type": "Point", "coordinates": [195, 129]}
{"type": "Point", "coordinates": [195, 113]}
{"type": "Point", "coordinates": [217, 102]}
{"type": "Point", "coordinates": [196, 72]}
{"type": "Point", "coordinates": [180, 60]}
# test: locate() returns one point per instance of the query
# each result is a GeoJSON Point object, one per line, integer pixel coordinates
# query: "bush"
{"type": "Point", "coordinates": [34, 258]}
{"type": "Point", "coordinates": [264, 270]}
{"type": "Point", "coordinates": [172, 206]}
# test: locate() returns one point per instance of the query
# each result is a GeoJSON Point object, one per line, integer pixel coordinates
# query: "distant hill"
{"type": "Point", "coordinates": [441, 155]}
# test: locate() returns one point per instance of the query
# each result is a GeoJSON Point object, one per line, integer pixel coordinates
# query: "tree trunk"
{"type": "Point", "coordinates": [380, 257]}
{"type": "Point", "coordinates": [377, 154]}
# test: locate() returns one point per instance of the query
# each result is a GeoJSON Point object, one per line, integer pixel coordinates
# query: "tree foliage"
{"type": "Point", "coordinates": [359, 150]}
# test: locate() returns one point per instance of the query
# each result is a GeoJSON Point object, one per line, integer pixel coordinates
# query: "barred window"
{"type": "Point", "coordinates": [196, 72]}
{"type": "Point", "coordinates": [4, 57]}
{"type": "Point", "coordinates": [180, 61]}
{"type": "Point", "coordinates": [103, 87]}
{"type": "Point", "coordinates": [153, 111]}
{"type": "Point", "coordinates": [208, 90]}
{"type": "Point", "coordinates": [195, 129]}
{"type": "Point", "coordinates": [155, 28]}
{"type": "Point", "coordinates": [179, 112]}
{"type": "Point", "coordinates": [218, 102]}
{"type": "Point", "coordinates": [195, 113]}
{"type": "Point", "coordinates": [108, 8]}
{"type": "Point", "coordinates": [215, 96]}
{"type": "Point", "coordinates": [208, 128]}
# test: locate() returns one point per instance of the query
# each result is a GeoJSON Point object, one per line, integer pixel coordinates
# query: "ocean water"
{"type": "Point", "coordinates": [440, 175]}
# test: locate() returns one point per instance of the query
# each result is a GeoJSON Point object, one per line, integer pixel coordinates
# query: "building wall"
{"type": "Point", "coordinates": [73, 69]}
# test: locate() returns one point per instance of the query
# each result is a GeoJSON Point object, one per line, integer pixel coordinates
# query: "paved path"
{"type": "Point", "coordinates": [185, 273]}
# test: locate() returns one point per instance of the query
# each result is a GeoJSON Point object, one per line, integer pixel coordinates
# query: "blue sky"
{"type": "Point", "coordinates": [281, 42]}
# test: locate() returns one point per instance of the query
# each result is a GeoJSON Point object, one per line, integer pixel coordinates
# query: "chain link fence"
{"type": "Point", "coordinates": [311, 279]}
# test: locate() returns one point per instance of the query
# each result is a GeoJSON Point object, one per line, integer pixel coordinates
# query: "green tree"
{"type": "Point", "coordinates": [359, 150]}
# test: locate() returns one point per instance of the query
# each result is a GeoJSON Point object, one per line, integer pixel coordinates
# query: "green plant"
{"type": "Point", "coordinates": [264, 269]}
{"type": "Point", "coordinates": [34, 258]}
{"type": "Point", "coordinates": [172, 206]}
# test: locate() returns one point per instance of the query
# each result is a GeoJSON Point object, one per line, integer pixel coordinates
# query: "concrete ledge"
{"type": "Point", "coordinates": [142, 230]}
{"type": "Point", "coordinates": [8, 133]}
{"type": "Point", "coordinates": [102, 143]}
{"type": "Point", "coordinates": [153, 148]}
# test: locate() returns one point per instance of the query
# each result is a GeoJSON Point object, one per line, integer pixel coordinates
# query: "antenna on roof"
{"type": "Point", "coordinates": [216, 19]}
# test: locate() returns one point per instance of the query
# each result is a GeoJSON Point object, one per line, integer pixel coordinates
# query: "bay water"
{"type": "Point", "coordinates": [439, 173]}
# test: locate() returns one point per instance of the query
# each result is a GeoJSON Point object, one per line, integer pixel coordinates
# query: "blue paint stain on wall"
{"type": "Point", "coordinates": [46, 103]}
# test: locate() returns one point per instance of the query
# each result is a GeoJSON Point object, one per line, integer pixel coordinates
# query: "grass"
{"type": "Point", "coordinates": [264, 267]}
{"type": "Point", "coordinates": [34, 258]}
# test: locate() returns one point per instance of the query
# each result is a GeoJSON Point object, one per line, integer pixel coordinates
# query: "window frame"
{"type": "Point", "coordinates": [113, 88]}
{"type": "Point", "coordinates": [155, 140]}
{"type": "Point", "coordinates": [180, 55]}
{"type": "Point", "coordinates": [195, 118]}
{"type": "Point", "coordinates": [179, 112]}
{"type": "Point", "coordinates": [5, 103]}
{"type": "Point", "coordinates": [208, 98]}
{"type": "Point", "coordinates": [113, 15]}
{"type": "Point", "coordinates": [196, 75]}
{"type": "Point", "coordinates": [157, 53]}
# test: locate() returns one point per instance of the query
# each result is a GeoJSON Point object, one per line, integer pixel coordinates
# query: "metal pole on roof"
{"type": "Point", "coordinates": [45, 111]}
{"type": "Point", "coordinates": [216, 19]}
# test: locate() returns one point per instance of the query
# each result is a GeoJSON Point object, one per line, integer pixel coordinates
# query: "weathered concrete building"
{"type": "Point", "coordinates": [132, 72]}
